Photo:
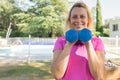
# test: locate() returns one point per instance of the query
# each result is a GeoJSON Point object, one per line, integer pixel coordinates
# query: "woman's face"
{"type": "Point", "coordinates": [78, 18]}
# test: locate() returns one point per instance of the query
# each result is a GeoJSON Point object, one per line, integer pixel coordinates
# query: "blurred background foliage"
{"type": "Point", "coordinates": [40, 18]}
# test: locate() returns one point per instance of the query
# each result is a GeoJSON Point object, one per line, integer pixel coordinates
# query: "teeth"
{"type": "Point", "coordinates": [76, 23]}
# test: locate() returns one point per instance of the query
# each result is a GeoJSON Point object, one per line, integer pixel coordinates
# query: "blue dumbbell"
{"type": "Point", "coordinates": [71, 35]}
{"type": "Point", "coordinates": [84, 35]}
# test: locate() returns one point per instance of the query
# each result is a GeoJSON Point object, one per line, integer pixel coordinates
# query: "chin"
{"type": "Point", "coordinates": [78, 29]}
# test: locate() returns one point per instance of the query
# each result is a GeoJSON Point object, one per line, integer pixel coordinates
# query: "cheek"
{"type": "Point", "coordinates": [86, 22]}
{"type": "Point", "coordinates": [71, 22]}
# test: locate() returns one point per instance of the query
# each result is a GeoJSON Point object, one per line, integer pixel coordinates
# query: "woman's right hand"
{"type": "Point", "coordinates": [70, 44]}
{"type": "Point", "coordinates": [60, 60]}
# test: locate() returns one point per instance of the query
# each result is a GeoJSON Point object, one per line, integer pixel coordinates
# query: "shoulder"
{"type": "Point", "coordinates": [60, 43]}
{"type": "Point", "coordinates": [96, 39]}
{"type": "Point", "coordinates": [61, 39]}
{"type": "Point", "coordinates": [98, 43]}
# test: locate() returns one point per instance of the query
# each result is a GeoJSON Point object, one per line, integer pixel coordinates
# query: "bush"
{"type": "Point", "coordinates": [3, 34]}
{"type": "Point", "coordinates": [106, 32]}
{"type": "Point", "coordinates": [16, 34]}
{"type": "Point", "coordinates": [96, 34]}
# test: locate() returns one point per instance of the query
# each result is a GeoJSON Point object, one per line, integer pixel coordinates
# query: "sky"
{"type": "Point", "coordinates": [110, 8]}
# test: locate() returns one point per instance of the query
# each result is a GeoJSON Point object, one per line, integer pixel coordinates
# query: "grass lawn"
{"type": "Point", "coordinates": [22, 71]}
{"type": "Point", "coordinates": [39, 70]}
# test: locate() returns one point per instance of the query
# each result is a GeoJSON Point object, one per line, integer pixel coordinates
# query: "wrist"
{"type": "Point", "coordinates": [69, 45]}
{"type": "Point", "coordinates": [88, 43]}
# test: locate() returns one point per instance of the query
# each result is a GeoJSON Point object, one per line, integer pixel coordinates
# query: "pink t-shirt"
{"type": "Point", "coordinates": [78, 68]}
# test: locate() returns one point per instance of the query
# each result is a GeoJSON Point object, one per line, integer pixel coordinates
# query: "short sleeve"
{"type": "Point", "coordinates": [99, 45]}
{"type": "Point", "coordinates": [59, 44]}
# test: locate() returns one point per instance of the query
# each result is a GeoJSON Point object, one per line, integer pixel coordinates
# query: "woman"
{"type": "Point", "coordinates": [78, 60]}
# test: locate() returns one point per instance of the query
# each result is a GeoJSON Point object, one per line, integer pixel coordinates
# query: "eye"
{"type": "Point", "coordinates": [74, 17]}
{"type": "Point", "coordinates": [83, 16]}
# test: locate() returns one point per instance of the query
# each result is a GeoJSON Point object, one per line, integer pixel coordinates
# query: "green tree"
{"type": "Point", "coordinates": [5, 16]}
{"type": "Point", "coordinates": [21, 21]}
{"type": "Point", "coordinates": [43, 19]}
{"type": "Point", "coordinates": [49, 19]}
{"type": "Point", "coordinates": [99, 24]}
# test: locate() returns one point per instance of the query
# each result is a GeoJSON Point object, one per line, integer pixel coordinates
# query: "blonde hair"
{"type": "Point", "coordinates": [83, 5]}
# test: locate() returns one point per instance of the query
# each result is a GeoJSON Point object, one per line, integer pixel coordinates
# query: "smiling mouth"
{"type": "Point", "coordinates": [78, 25]}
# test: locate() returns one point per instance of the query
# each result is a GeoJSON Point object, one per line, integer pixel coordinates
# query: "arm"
{"type": "Point", "coordinates": [60, 61]}
{"type": "Point", "coordinates": [101, 69]}
{"type": "Point", "coordinates": [95, 61]}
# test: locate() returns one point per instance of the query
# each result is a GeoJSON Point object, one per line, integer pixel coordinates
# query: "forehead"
{"type": "Point", "coordinates": [78, 10]}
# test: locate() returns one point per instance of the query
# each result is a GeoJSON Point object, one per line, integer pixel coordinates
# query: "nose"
{"type": "Point", "coordinates": [78, 20]}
